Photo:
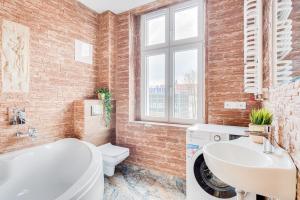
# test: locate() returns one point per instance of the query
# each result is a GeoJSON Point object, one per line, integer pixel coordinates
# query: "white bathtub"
{"type": "Point", "coordinates": [68, 169]}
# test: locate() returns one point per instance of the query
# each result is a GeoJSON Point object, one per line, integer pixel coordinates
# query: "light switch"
{"type": "Point", "coordinates": [235, 105]}
{"type": "Point", "coordinates": [97, 110]}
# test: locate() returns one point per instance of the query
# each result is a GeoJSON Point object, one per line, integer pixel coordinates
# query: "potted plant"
{"type": "Point", "coordinates": [259, 120]}
{"type": "Point", "coordinates": [105, 97]}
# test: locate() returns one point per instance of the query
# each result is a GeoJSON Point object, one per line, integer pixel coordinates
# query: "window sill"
{"type": "Point", "coordinates": [150, 124]}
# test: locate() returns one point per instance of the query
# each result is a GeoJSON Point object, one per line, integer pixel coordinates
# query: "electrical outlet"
{"type": "Point", "coordinates": [235, 105]}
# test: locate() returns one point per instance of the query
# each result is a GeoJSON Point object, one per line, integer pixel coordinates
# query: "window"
{"type": "Point", "coordinates": [172, 81]}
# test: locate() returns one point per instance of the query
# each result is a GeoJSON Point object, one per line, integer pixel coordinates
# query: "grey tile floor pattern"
{"type": "Point", "coordinates": [138, 184]}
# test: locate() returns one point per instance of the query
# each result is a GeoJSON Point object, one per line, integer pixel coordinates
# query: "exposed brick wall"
{"type": "Point", "coordinates": [295, 54]}
{"type": "Point", "coordinates": [298, 186]}
{"type": "Point", "coordinates": [162, 147]}
{"type": "Point", "coordinates": [284, 100]}
{"type": "Point", "coordinates": [225, 61]}
{"type": "Point", "coordinates": [107, 45]}
{"type": "Point", "coordinates": [159, 147]}
{"type": "Point", "coordinates": [267, 43]}
{"type": "Point", "coordinates": [56, 80]}
{"type": "Point", "coordinates": [92, 128]}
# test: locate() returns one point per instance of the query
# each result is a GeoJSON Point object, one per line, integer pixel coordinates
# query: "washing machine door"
{"type": "Point", "coordinates": [208, 181]}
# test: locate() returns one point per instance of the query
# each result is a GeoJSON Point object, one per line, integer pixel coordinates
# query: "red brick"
{"type": "Point", "coordinates": [56, 80]}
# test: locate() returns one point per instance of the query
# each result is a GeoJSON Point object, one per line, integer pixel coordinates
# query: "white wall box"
{"type": "Point", "coordinates": [83, 52]}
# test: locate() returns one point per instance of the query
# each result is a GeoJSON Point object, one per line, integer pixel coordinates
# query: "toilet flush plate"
{"type": "Point", "coordinates": [97, 110]}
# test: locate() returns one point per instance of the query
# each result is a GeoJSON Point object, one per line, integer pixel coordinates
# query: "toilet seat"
{"type": "Point", "coordinates": [112, 156]}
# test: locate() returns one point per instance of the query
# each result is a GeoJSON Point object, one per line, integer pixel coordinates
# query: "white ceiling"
{"type": "Point", "coordinates": [116, 6]}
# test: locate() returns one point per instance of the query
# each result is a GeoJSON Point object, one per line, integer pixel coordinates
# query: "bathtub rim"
{"type": "Point", "coordinates": [85, 180]}
{"type": "Point", "coordinates": [88, 178]}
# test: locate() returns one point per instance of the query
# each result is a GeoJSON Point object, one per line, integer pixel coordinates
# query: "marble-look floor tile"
{"type": "Point", "coordinates": [138, 185]}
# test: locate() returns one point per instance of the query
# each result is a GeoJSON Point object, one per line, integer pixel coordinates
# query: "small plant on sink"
{"type": "Point", "coordinates": [105, 96]}
{"type": "Point", "coordinates": [259, 118]}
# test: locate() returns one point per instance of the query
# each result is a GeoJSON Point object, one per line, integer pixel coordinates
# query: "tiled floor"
{"type": "Point", "coordinates": [128, 184]}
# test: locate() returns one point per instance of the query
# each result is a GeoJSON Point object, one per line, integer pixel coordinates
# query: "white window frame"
{"type": "Point", "coordinates": [144, 86]}
{"type": "Point", "coordinates": [144, 29]}
{"type": "Point", "coordinates": [200, 77]}
{"type": "Point", "coordinates": [184, 6]}
{"type": "Point", "coordinates": [169, 48]}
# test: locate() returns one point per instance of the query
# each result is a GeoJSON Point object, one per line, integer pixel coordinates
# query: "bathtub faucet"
{"type": "Point", "coordinates": [32, 132]}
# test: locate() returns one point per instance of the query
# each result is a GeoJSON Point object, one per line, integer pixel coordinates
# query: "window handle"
{"type": "Point", "coordinates": [170, 91]}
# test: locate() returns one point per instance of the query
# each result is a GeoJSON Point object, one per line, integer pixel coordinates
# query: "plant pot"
{"type": "Point", "coordinates": [101, 96]}
{"type": "Point", "coordinates": [257, 128]}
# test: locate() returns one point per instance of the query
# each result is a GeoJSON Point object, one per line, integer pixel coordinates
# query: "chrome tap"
{"type": "Point", "coordinates": [19, 117]}
{"type": "Point", "coordinates": [32, 132]}
{"type": "Point", "coordinates": [268, 139]}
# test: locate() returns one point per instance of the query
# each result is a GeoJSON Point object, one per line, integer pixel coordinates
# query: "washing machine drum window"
{"type": "Point", "coordinates": [209, 182]}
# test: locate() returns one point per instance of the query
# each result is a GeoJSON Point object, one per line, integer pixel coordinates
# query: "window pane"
{"type": "Point", "coordinates": [185, 84]}
{"type": "Point", "coordinates": [186, 23]}
{"type": "Point", "coordinates": [155, 86]}
{"type": "Point", "coordinates": [156, 30]}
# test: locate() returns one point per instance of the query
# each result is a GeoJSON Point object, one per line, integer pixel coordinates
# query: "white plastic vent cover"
{"type": "Point", "coordinates": [253, 46]}
{"type": "Point", "coordinates": [282, 41]}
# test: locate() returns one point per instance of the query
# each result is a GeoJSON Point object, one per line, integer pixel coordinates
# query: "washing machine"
{"type": "Point", "coordinates": [202, 184]}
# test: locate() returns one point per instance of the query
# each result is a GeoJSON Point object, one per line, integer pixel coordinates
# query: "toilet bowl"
{"type": "Point", "coordinates": [112, 156]}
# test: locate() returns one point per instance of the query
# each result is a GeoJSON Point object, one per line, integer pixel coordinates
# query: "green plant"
{"type": "Point", "coordinates": [105, 96]}
{"type": "Point", "coordinates": [261, 117]}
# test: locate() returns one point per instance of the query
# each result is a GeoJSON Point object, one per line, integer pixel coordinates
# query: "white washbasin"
{"type": "Point", "coordinates": [243, 165]}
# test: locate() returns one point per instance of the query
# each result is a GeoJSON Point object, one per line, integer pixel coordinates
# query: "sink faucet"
{"type": "Point", "coordinates": [32, 132]}
{"type": "Point", "coordinates": [268, 139]}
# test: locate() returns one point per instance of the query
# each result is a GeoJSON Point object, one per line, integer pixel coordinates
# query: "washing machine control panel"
{"type": "Point", "coordinates": [218, 137]}
{"type": "Point", "coordinates": [195, 141]}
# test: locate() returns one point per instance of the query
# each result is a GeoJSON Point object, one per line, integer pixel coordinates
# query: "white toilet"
{"type": "Point", "coordinates": [91, 130]}
{"type": "Point", "coordinates": [112, 156]}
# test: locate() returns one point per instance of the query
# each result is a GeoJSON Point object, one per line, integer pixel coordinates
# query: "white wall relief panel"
{"type": "Point", "coordinates": [15, 57]}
